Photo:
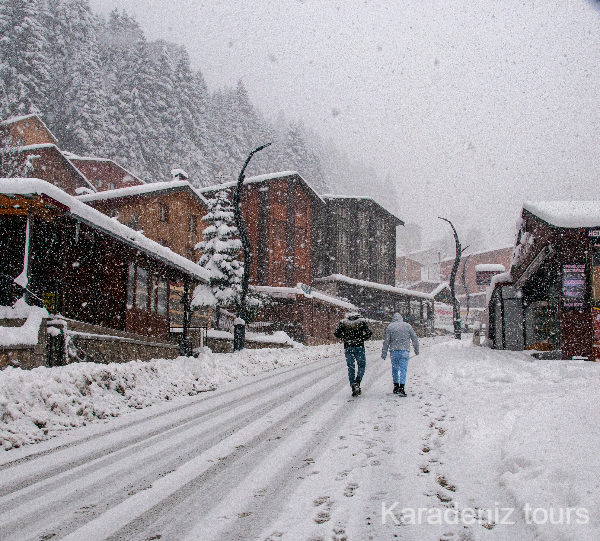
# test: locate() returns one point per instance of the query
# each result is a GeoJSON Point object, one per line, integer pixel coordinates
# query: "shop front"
{"type": "Point", "coordinates": [555, 281]}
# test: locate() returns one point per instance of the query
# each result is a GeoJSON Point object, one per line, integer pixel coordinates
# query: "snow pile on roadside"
{"type": "Point", "coordinates": [41, 403]}
{"type": "Point", "coordinates": [522, 430]}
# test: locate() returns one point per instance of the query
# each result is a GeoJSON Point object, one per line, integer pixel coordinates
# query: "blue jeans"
{"type": "Point", "coordinates": [355, 354]}
{"type": "Point", "coordinates": [399, 362]}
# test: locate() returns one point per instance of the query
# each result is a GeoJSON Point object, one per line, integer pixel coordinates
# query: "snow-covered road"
{"type": "Point", "coordinates": [288, 454]}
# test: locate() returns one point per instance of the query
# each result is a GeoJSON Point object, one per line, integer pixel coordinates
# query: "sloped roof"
{"type": "Point", "coordinates": [375, 285]}
{"type": "Point", "coordinates": [86, 214]}
{"type": "Point", "coordinates": [364, 198]}
{"type": "Point", "coordinates": [16, 119]}
{"type": "Point", "coordinates": [154, 188]}
{"type": "Point", "coordinates": [262, 178]}
{"type": "Point", "coordinates": [568, 214]}
{"type": "Point", "coordinates": [64, 155]}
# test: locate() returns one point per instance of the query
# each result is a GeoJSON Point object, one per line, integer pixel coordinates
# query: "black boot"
{"type": "Point", "coordinates": [401, 391]}
{"type": "Point", "coordinates": [357, 384]}
{"type": "Point", "coordinates": [396, 388]}
{"type": "Point", "coordinates": [355, 390]}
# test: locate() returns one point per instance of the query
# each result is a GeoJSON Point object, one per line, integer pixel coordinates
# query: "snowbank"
{"type": "Point", "coordinates": [44, 402]}
{"type": "Point", "coordinates": [520, 428]}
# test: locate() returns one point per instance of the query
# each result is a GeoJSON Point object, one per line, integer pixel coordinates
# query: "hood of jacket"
{"type": "Point", "coordinates": [397, 317]}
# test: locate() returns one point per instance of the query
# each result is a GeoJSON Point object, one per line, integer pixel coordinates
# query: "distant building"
{"type": "Point", "coordinates": [408, 271]}
{"type": "Point", "coordinates": [356, 237]}
{"type": "Point", "coordinates": [499, 256]}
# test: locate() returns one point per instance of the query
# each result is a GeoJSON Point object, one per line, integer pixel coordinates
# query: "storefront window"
{"type": "Point", "coordinates": [131, 285]}
{"type": "Point", "coordinates": [141, 289]}
{"type": "Point", "coordinates": [163, 296]}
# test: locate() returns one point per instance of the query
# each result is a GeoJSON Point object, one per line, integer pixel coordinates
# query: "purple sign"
{"type": "Point", "coordinates": [574, 285]}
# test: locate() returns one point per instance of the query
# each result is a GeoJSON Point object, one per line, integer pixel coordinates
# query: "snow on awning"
{"type": "Point", "coordinates": [375, 285]}
{"type": "Point", "coordinates": [56, 198]}
{"type": "Point", "coordinates": [292, 292]}
{"type": "Point", "coordinates": [570, 214]}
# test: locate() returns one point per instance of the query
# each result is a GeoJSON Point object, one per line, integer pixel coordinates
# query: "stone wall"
{"type": "Point", "coordinates": [23, 356]}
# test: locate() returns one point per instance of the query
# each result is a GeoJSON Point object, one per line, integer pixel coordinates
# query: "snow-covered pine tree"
{"type": "Point", "coordinates": [76, 102]}
{"type": "Point", "coordinates": [23, 61]}
{"type": "Point", "coordinates": [220, 255]}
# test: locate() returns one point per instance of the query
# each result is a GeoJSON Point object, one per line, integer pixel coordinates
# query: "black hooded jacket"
{"type": "Point", "coordinates": [353, 330]}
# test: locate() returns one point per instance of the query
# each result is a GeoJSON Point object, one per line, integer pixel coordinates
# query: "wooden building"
{"type": "Point", "coordinates": [549, 301]}
{"type": "Point", "coordinates": [279, 210]}
{"type": "Point", "coordinates": [89, 268]}
{"type": "Point", "coordinates": [308, 316]}
{"type": "Point", "coordinates": [169, 213]}
{"type": "Point", "coordinates": [355, 237]}
{"type": "Point", "coordinates": [380, 301]}
{"type": "Point", "coordinates": [104, 174]}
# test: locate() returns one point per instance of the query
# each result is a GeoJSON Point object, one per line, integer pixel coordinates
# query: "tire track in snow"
{"type": "Point", "coordinates": [27, 504]}
{"type": "Point", "coordinates": [38, 467]}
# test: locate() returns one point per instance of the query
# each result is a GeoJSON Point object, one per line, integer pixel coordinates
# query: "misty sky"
{"type": "Point", "coordinates": [473, 106]}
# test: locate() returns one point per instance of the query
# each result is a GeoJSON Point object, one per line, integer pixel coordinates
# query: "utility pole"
{"type": "Point", "coordinates": [239, 327]}
{"type": "Point", "coordinates": [455, 305]}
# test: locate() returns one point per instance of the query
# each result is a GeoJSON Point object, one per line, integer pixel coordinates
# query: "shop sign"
{"type": "Point", "coordinates": [596, 348]}
{"type": "Point", "coordinates": [594, 233]}
{"type": "Point", "coordinates": [574, 285]}
{"type": "Point", "coordinates": [49, 300]}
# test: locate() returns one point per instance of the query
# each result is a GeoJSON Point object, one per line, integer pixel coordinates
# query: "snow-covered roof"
{"type": "Point", "coordinates": [480, 252]}
{"type": "Point", "coordinates": [15, 119]}
{"type": "Point", "coordinates": [362, 198]}
{"type": "Point", "coordinates": [86, 214]}
{"type": "Point", "coordinates": [432, 287]}
{"type": "Point", "coordinates": [75, 157]}
{"type": "Point", "coordinates": [567, 213]}
{"type": "Point", "coordinates": [273, 290]}
{"type": "Point", "coordinates": [65, 155]}
{"type": "Point", "coordinates": [260, 178]}
{"type": "Point", "coordinates": [130, 191]}
{"type": "Point", "coordinates": [503, 278]}
{"type": "Point", "coordinates": [489, 267]}
{"type": "Point", "coordinates": [375, 285]}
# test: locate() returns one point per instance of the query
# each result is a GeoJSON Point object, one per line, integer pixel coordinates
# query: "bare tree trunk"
{"type": "Point", "coordinates": [455, 305]}
{"type": "Point", "coordinates": [239, 329]}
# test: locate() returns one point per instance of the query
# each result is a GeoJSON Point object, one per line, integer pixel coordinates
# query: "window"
{"type": "Point", "coordinates": [134, 222]}
{"type": "Point", "coordinates": [192, 223]}
{"type": "Point", "coordinates": [131, 285]}
{"type": "Point", "coordinates": [99, 183]}
{"type": "Point", "coordinates": [162, 296]}
{"type": "Point", "coordinates": [111, 186]}
{"type": "Point", "coordinates": [153, 292]}
{"type": "Point", "coordinates": [163, 212]}
{"type": "Point", "coordinates": [141, 289]}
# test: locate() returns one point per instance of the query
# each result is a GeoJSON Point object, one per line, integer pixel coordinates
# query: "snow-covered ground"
{"type": "Point", "coordinates": [488, 445]}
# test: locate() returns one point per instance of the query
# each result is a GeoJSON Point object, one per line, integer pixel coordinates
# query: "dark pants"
{"type": "Point", "coordinates": [355, 354]}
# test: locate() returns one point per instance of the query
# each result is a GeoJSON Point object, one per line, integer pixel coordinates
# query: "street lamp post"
{"type": "Point", "coordinates": [239, 328]}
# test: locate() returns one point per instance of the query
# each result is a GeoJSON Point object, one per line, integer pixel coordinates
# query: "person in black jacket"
{"type": "Point", "coordinates": [353, 330]}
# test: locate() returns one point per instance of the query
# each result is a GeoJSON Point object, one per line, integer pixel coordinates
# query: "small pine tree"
{"type": "Point", "coordinates": [220, 255]}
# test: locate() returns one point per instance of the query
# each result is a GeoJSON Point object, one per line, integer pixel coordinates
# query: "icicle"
{"type": "Point", "coordinates": [22, 279]}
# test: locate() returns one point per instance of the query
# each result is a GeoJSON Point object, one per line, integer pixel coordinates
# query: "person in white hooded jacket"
{"type": "Point", "coordinates": [398, 337]}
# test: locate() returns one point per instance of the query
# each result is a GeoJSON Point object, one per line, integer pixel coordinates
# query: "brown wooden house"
{"type": "Point", "coordinates": [109, 284]}
{"type": "Point", "coordinates": [104, 174]}
{"type": "Point", "coordinates": [30, 150]}
{"type": "Point", "coordinates": [278, 209]}
{"type": "Point", "coordinates": [169, 213]}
